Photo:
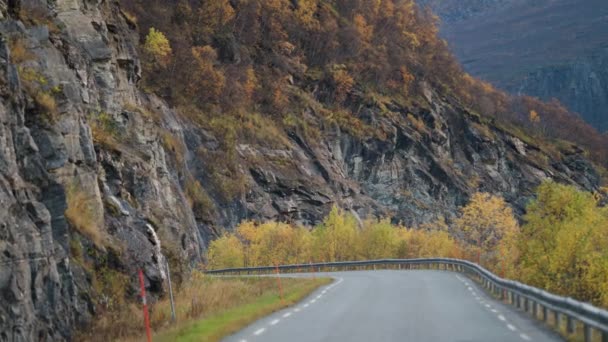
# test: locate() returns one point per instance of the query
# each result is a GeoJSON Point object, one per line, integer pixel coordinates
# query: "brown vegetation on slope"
{"type": "Point", "coordinates": [234, 59]}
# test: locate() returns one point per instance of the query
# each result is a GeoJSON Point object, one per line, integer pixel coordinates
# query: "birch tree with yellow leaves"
{"type": "Point", "coordinates": [483, 225]}
{"type": "Point", "coordinates": [564, 242]}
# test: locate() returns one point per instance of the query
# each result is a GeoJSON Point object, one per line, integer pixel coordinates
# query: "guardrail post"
{"type": "Point", "coordinates": [588, 333]}
{"type": "Point", "coordinates": [558, 319]}
{"type": "Point", "coordinates": [535, 309]}
{"type": "Point", "coordinates": [545, 314]}
{"type": "Point", "coordinates": [604, 336]}
{"type": "Point", "coordinates": [526, 304]}
{"type": "Point", "coordinates": [570, 325]}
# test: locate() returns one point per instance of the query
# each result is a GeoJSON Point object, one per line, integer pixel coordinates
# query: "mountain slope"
{"type": "Point", "coordinates": [103, 173]}
{"type": "Point", "coordinates": [549, 49]}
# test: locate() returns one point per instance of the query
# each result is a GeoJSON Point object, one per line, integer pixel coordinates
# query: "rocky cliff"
{"type": "Point", "coordinates": [97, 175]}
{"type": "Point", "coordinates": [548, 49]}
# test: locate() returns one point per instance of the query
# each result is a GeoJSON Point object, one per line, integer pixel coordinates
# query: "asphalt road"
{"type": "Point", "coordinates": [417, 306]}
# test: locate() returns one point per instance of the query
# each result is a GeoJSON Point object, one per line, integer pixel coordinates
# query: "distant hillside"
{"type": "Point", "coordinates": [546, 48]}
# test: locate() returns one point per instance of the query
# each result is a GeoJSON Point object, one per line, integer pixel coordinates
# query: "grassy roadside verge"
{"type": "Point", "coordinates": [261, 299]}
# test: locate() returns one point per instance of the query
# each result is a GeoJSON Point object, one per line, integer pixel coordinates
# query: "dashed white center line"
{"type": "Point", "coordinates": [243, 341]}
{"type": "Point", "coordinates": [487, 305]}
{"type": "Point", "coordinates": [305, 305]}
{"type": "Point", "coordinates": [287, 315]}
{"type": "Point", "coordinates": [259, 331]}
{"type": "Point", "coordinates": [313, 301]}
{"type": "Point", "coordinates": [275, 322]}
{"type": "Point", "coordinates": [296, 310]}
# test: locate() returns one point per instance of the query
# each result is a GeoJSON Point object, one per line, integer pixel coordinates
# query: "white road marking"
{"type": "Point", "coordinates": [296, 310]}
{"type": "Point", "coordinates": [319, 297]}
{"type": "Point", "coordinates": [511, 327]}
{"type": "Point", "coordinates": [502, 318]}
{"type": "Point", "coordinates": [305, 305]}
{"type": "Point", "coordinates": [243, 341]}
{"type": "Point", "coordinates": [494, 311]}
{"type": "Point", "coordinates": [488, 306]}
{"type": "Point", "coordinates": [287, 315]}
{"type": "Point", "coordinates": [259, 331]}
{"type": "Point", "coordinates": [275, 322]}
{"type": "Point", "coordinates": [525, 337]}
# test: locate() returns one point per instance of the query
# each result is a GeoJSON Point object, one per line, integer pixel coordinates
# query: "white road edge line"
{"type": "Point", "coordinates": [275, 322]}
{"type": "Point", "coordinates": [287, 315]}
{"type": "Point", "coordinates": [259, 331]}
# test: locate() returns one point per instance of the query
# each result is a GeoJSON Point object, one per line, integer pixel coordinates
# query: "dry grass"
{"type": "Point", "coordinates": [84, 215]}
{"type": "Point", "coordinates": [207, 308]}
{"type": "Point", "coordinates": [174, 145]}
{"type": "Point", "coordinates": [131, 18]}
{"type": "Point", "coordinates": [217, 307]}
{"type": "Point", "coordinates": [105, 132]}
{"type": "Point", "coordinates": [200, 201]}
{"type": "Point", "coordinates": [418, 124]}
{"type": "Point", "coordinates": [19, 52]}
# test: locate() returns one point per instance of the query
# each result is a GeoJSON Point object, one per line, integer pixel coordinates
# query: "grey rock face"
{"type": "Point", "coordinates": [89, 71]}
{"type": "Point", "coordinates": [105, 148]}
{"type": "Point", "coordinates": [581, 85]}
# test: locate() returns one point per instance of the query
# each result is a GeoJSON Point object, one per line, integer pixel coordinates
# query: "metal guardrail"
{"type": "Point", "coordinates": [538, 302]}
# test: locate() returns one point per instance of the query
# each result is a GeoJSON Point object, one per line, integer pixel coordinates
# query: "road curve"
{"type": "Point", "coordinates": [378, 306]}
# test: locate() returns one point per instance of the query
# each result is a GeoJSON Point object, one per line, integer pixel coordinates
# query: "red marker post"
{"type": "Point", "coordinates": [145, 303]}
{"type": "Point", "coordinates": [279, 282]}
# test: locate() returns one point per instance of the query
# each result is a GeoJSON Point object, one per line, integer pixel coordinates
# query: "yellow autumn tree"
{"type": "Point", "coordinates": [377, 240]}
{"type": "Point", "coordinates": [251, 82]}
{"type": "Point", "coordinates": [343, 84]}
{"type": "Point", "coordinates": [272, 243]}
{"type": "Point", "coordinates": [212, 17]}
{"type": "Point", "coordinates": [563, 244]}
{"type": "Point", "coordinates": [417, 243]}
{"type": "Point", "coordinates": [157, 46]}
{"type": "Point", "coordinates": [534, 117]}
{"type": "Point", "coordinates": [226, 252]}
{"type": "Point", "coordinates": [208, 86]}
{"type": "Point", "coordinates": [336, 238]}
{"type": "Point", "coordinates": [364, 31]}
{"type": "Point", "coordinates": [483, 223]}
{"type": "Point", "coordinates": [305, 13]}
